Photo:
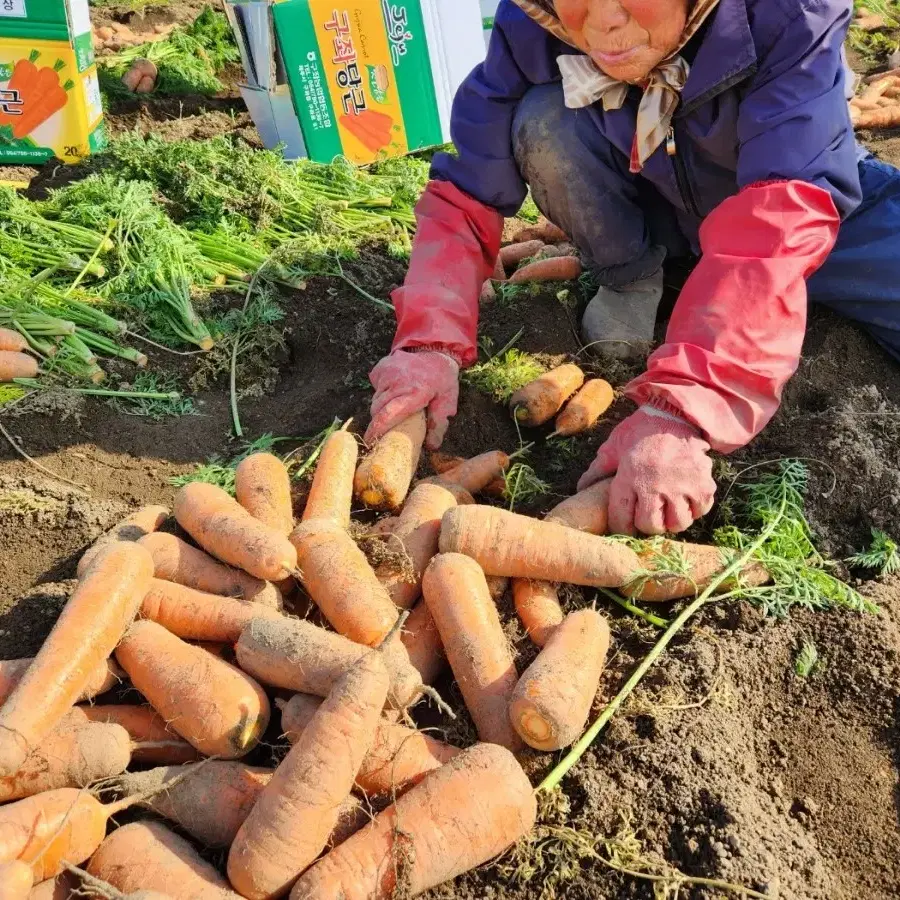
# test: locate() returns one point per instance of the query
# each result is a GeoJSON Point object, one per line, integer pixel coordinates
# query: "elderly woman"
{"type": "Point", "coordinates": [648, 129]}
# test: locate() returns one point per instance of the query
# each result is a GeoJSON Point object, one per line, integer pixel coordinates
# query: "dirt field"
{"type": "Point", "coordinates": [725, 764]}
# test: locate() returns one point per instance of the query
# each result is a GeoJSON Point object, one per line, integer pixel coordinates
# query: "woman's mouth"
{"type": "Point", "coordinates": [613, 57]}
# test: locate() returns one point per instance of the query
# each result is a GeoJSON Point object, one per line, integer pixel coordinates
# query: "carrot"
{"type": "Point", "coordinates": [475, 474]}
{"type": "Point", "coordinates": [702, 562]}
{"type": "Point", "coordinates": [422, 642]}
{"type": "Point", "coordinates": [443, 463]}
{"type": "Point", "coordinates": [291, 821]}
{"type": "Point", "coordinates": [106, 676]}
{"type": "Point", "coordinates": [16, 365]}
{"type": "Point", "coordinates": [87, 631]}
{"type": "Point", "coordinates": [263, 488]}
{"type": "Point", "coordinates": [12, 341]}
{"type": "Point", "coordinates": [888, 117]}
{"type": "Point", "coordinates": [384, 476]}
{"type": "Point", "coordinates": [148, 856]}
{"type": "Point", "coordinates": [132, 528]}
{"type": "Point", "coordinates": [562, 268]}
{"type": "Point", "coordinates": [16, 880]}
{"type": "Point", "coordinates": [300, 656]}
{"type": "Point", "coordinates": [540, 400]}
{"type": "Point", "coordinates": [466, 618]}
{"type": "Point", "coordinates": [585, 511]}
{"type": "Point", "coordinates": [513, 254]}
{"type": "Point", "coordinates": [176, 560]}
{"type": "Point", "coordinates": [154, 743]}
{"type": "Point", "coordinates": [497, 586]}
{"type": "Point", "coordinates": [416, 534]}
{"type": "Point", "coordinates": [460, 816]}
{"type": "Point", "coordinates": [383, 527]}
{"type": "Point", "coordinates": [214, 706]}
{"type": "Point", "coordinates": [195, 615]}
{"type": "Point", "coordinates": [488, 294]}
{"type": "Point", "coordinates": [538, 609]}
{"type": "Point", "coordinates": [499, 273]}
{"type": "Point", "coordinates": [544, 231]}
{"type": "Point", "coordinates": [226, 530]}
{"type": "Point", "coordinates": [398, 759]}
{"type": "Point", "coordinates": [869, 23]}
{"type": "Point", "coordinates": [340, 581]}
{"type": "Point", "coordinates": [141, 70]}
{"type": "Point", "coordinates": [331, 493]}
{"type": "Point", "coordinates": [74, 755]}
{"type": "Point", "coordinates": [552, 700]}
{"type": "Point", "coordinates": [585, 408]}
{"type": "Point", "coordinates": [60, 888]}
{"type": "Point", "coordinates": [103, 889]}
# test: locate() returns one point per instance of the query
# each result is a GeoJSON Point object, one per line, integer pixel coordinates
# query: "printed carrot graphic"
{"type": "Point", "coordinates": [24, 72]}
{"type": "Point", "coordinates": [371, 128]}
{"type": "Point", "coordinates": [44, 98]}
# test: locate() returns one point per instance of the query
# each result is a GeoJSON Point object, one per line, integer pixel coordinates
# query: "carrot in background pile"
{"type": "Point", "coordinates": [582, 412]}
{"type": "Point", "coordinates": [331, 494]}
{"type": "Point", "coordinates": [92, 622]}
{"type": "Point", "coordinates": [140, 523]}
{"type": "Point", "coordinates": [263, 487]}
{"type": "Point", "coordinates": [553, 698]}
{"type": "Point", "coordinates": [12, 340]}
{"type": "Point", "coordinates": [460, 816]}
{"type": "Point", "coordinates": [560, 268]}
{"type": "Point", "coordinates": [384, 476]}
{"type": "Point", "coordinates": [540, 400]}
{"type": "Point", "coordinates": [466, 618]}
{"type": "Point", "coordinates": [211, 704]}
{"type": "Point", "coordinates": [16, 365]}
{"type": "Point", "coordinates": [422, 641]}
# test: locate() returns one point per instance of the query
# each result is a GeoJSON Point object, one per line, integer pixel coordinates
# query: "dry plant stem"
{"type": "Point", "coordinates": [681, 879]}
{"type": "Point", "coordinates": [146, 340]}
{"type": "Point", "coordinates": [101, 888]}
{"type": "Point", "coordinates": [580, 748]}
{"type": "Point", "coordinates": [34, 462]}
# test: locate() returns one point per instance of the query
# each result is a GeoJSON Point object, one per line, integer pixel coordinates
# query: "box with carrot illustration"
{"type": "Point", "coordinates": [49, 107]}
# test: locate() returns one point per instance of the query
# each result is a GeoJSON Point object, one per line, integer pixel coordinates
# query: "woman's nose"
{"type": "Point", "coordinates": [605, 16]}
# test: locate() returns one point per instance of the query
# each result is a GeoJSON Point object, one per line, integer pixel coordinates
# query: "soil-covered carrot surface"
{"type": "Point", "coordinates": [726, 764]}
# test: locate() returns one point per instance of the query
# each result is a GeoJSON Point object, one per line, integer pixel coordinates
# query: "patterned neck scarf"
{"type": "Point", "coordinates": [584, 84]}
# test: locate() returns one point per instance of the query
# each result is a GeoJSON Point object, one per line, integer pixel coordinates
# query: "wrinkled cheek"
{"type": "Point", "coordinates": [572, 13]}
{"type": "Point", "coordinates": [658, 16]}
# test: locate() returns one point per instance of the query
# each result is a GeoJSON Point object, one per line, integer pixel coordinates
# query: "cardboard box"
{"type": "Point", "coordinates": [51, 20]}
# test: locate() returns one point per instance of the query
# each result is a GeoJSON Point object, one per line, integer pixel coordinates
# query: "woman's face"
{"type": "Point", "coordinates": [627, 39]}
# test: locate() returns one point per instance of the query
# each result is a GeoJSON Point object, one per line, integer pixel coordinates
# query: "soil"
{"type": "Point", "coordinates": [725, 764]}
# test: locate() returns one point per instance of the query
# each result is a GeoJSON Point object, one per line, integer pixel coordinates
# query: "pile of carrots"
{"type": "Point", "coordinates": [878, 106]}
{"type": "Point", "coordinates": [204, 625]}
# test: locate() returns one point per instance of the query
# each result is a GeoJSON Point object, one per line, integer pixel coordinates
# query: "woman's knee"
{"type": "Point", "coordinates": [542, 128]}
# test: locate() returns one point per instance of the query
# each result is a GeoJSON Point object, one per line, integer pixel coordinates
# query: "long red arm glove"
{"type": "Point", "coordinates": [733, 342]}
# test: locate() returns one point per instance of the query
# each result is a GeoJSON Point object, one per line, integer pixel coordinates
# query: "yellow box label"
{"type": "Point", "coordinates": [356, 57]}
{"type": "Point", "coordinates": [46, 104]}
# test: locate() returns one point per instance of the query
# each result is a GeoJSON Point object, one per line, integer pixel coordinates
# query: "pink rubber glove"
{"type": "Point", "coordinates": [663, 477]}
{"type": "Point", "coordinates": [405, 383]}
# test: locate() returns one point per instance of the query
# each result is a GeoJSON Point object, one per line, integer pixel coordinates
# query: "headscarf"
{"type": "Point", "coordinates": [584, 83]}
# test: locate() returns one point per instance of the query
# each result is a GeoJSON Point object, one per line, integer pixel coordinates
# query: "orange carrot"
{"type": "Point", "coordinates": [552, 700]}
{"type": "Point", "coordinates": [585, 408]}
{"type": "Point", "coordinates": [106, 676]}
{"type": "Point", "coordinates": [291, 821]}
{"type": "Point", "coordinates": [704, 564]}
{"type": "Point", "coordinates": [16, 365]}
{"type": "Point", "coordinates": [154, 743]}
{"type": "Point", "coordinates": [340, 581]}
{"type": "Point", "coordinates": [384, 476]}
{"type": "Point", "coordinates": [475, 474]}
{"type": "Point", "coordinates": [505, 543]}
{"type": "Point", "coordinates": [443, 463]}
{"type": "Point", "coordinates": [398, 759]}
{"type": "Point", "coordinates": [513, 254]}
{"type": "Point", "coordinates": [538, 609]}
{"type": "Point", "coordinates": [560, 268]}
{"type": "Point", "coordinates": [60, 888]}
{"type": "Point", "coordinates": [263, 488]}
{"type": "Point", "coordinates": [384, 526]}
{"type": "Point", "coordinates": [16, 880]}
{"type": "Point", "coordinates": [176, 560]}
{"type": "Point", "coordinates": [148, 856]}
{"type": "Point", "coordinates": [887, 117]}
{"type": "Point", "coordinates": [416, 534]}
{"type": "Point", "coordinates": [211, 704]}
{"type": "Point", "coordinates": [422, 642]}
{"type": "Point", "coordinates": [544, 231]}
{"type": "Point", "coordinates": [226, 530]}
{"type": "Point", "coordinates": [331, 494]}
{"type": "Point", "coordinates": [300, 656]}
{"type": "Point", "coordinates": [585, 511]}
{"type": "Point", "coordinates": [488, 294]}
{"type": "Point", "coordinates": [466, 618]}
{"type": "Point", "coordinates": [195, 615]}
{"type": "Point", "coordinates": [499, 273]}
{"type": "Point", "coordinates": [540, 400]}
{"type": "Point", "coordinates": [12, 341]}
{"type": "Point", "coordinates": [87, 631]}
{"type": "Point", "coordinates": [460, 816]}
{"type": "Point", "coordinates": [132, 528]}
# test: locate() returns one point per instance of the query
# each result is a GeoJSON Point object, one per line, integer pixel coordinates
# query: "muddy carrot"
{"type": "Point", "coordinates": [299, 656]}
{"type": "Point", "coordinates": [888, 117]}
{"type": "Point", "coordinates": [198, 616]}
{"type": "Point", "coordinates": [488, 294]}
{"type": "Point", "coordinates": [398, 759]}
{"type": "Point", "coordinates": [585, 511]}
{"type": "Point", "coordinates": [466, 617]}
{"type": "Point", "coordinates": [585, 408]}
{"type": "Point", "coordinates": [91, 624]}
{"type": "Point", "coordinates": [443, 463]}
{"type": "Point", "coordinates": [16, 365]}
{"type": "Point", "coordinates": [543, 231]}
{"type": "Point", "coordinates": [477, 473]}
{"type": "Point", "coordinates": [701, 564]}
{"type": "Point", "coordinates": [132, 528]}
{"type": "Point", "coordinates": [291, 821]}
{"type": "Point", "coordinates": [416, 536]}
{"type": "Point", "coordinates": [562, 268]}
{"type": "Point", "coordinates": [499, 273]}
{"type": "Point", "coordinates": [331, 494]}
{"type": "Point", "coordinates": [497, 586]}
{"type": "Point", "coordinates": [540, 400]}
{"type": "Point", "coordinates": [177, 561]}
{"type": "Point", "coordinates": [384, 476]}
{"type": "Point", "coordinates": [340, 581]}
{"type": "Point", "coordinates": [60, 888]}
{"type": "Point", "coordinates": [226, 530]}
{"type": "Point", "coordinates": [16, 880]}
{"type": "Point", "coordinates": [148, 856]}
{"type": "Point", "coordinates": [476, 806]}
{"type": "Point", "coordinates": [211, 704]}
{"type": "Point", "coordinates": [513, 254]}
{"type": "Point", "coordinates": [263, 487]}
{"type": "Point", "coordinates": [553, 698]}
{"type": "Point", "coordinates": [105, 677]}
{"type": "Point", "coordinates": [384, 526]}
{"type": "Point", "coordinates": [422, 643]}
{"type": "Point", "coordinates": [12, 341]}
